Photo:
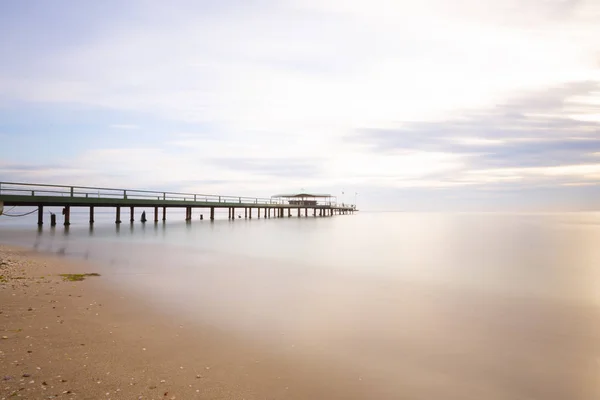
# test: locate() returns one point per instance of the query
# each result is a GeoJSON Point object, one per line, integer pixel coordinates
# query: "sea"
{"type": "Point", "coordinates": [472, 305]}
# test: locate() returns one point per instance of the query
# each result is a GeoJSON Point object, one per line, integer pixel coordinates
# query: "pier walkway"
{"type": "Point", "coordinates": [44, 195]}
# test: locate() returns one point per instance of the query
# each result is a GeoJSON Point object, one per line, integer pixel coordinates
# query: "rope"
{"type": "Point", "coordinates": [19, 215]}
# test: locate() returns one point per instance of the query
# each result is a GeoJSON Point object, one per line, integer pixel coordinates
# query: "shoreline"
{"type": "Point", "coordinates": [62, 339]}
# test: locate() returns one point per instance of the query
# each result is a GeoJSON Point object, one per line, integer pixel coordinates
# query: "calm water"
{"type": "Point", "coordinates": [453, 306]}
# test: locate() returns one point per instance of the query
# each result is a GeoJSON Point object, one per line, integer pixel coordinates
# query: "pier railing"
{"type": "Point", "coordinates": [32, 189]}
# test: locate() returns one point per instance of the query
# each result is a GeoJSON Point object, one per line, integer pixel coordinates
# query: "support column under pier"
{"type": "Point", "coordinates": [250, 213]}
{"type": "Point", "coordinates": [289, 212]}
{"type": "Point", "coordinates": [40, 215]}
{"type": "Point", "coordinates": [91, 214]}
{"type": "Point", "coordinates": [155, 214]}
{"type": "Point", "coordinates": [164, 218]}
{"type": "Point", "coordinates": [212, 213]}
{"type": "Point", "coordinates": [306, 212]}
{"type": "Point", "coordinates": [298, 212]}
{"type": "Point", "coordinates": [67, 213]}
{"type": "Point", "coordinates": [245, 212]}
{"type": "Point", "coordinates": [118, 216]}
{"type": "Point", "coordinates": [131, 211]}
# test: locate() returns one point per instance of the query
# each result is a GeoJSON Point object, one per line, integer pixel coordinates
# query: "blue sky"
{"type": "Point", "coordinates": [433, 105]}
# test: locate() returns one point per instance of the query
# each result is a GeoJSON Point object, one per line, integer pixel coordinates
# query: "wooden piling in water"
{"type": "Point", "coordinates": [118, 216]}
{"type": "Point", "coordinates": [91, 214]}
{"type": "Point", "coordinates": [155, 214]}
{"type": "Point", "coordinates": [40, 215]}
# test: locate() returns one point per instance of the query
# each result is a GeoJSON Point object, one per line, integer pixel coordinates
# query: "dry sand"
{"type": "Point", "coordinates": [86, 340]}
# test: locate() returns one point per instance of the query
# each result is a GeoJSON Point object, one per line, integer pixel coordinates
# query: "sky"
{"type": "Point", "coordinates": [430, 105]}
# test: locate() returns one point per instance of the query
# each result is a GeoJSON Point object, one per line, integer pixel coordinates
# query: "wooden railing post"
{"type": "Point", "coordinates": [71, 191]}
{"type": "Point", "coordinates": [125, 194]}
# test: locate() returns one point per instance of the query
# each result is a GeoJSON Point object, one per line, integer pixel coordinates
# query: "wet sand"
{"type": "Point", "coordinates": [85, 340]}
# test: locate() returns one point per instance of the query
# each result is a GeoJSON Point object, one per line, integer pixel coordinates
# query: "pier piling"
{"type": "Point", "coordinates": [40, 215]}
{"type": "Point", "coordinates": [91, 214]}
{"type": "Point", "coordinates": [118, 216]}
{"type": "Point", "coordinates": [67, 212]}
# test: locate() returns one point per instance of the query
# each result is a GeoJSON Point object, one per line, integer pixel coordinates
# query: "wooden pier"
{"type": "Point", "coordinates": [67, 197]}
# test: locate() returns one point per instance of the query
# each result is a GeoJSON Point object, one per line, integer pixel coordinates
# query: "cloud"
{"type": "Point", "coordinates": [286, 168]}
{"type": "Point", "coordinates": [124, 126]}
{"type": "Point", "coordinates": [530, 139]}
{"type": "Point", "coordinates": [532, 130]}
{"type": "Point", "coordinates": [331, 63]}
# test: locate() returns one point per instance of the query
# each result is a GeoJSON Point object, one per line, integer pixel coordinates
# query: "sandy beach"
{"type": "Point", "coordinates": [83, 339]}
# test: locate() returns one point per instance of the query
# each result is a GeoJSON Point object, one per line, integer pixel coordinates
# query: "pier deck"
{"type": "Point", "coordinates": [41, 195]}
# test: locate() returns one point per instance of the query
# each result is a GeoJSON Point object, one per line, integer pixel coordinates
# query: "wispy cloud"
{"type": "Point", "coordinates": [124, 126]}
{"type": "Point", "coordinates": [281, 167]}
{"type": "Point", "coordinates": [532, 137]}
